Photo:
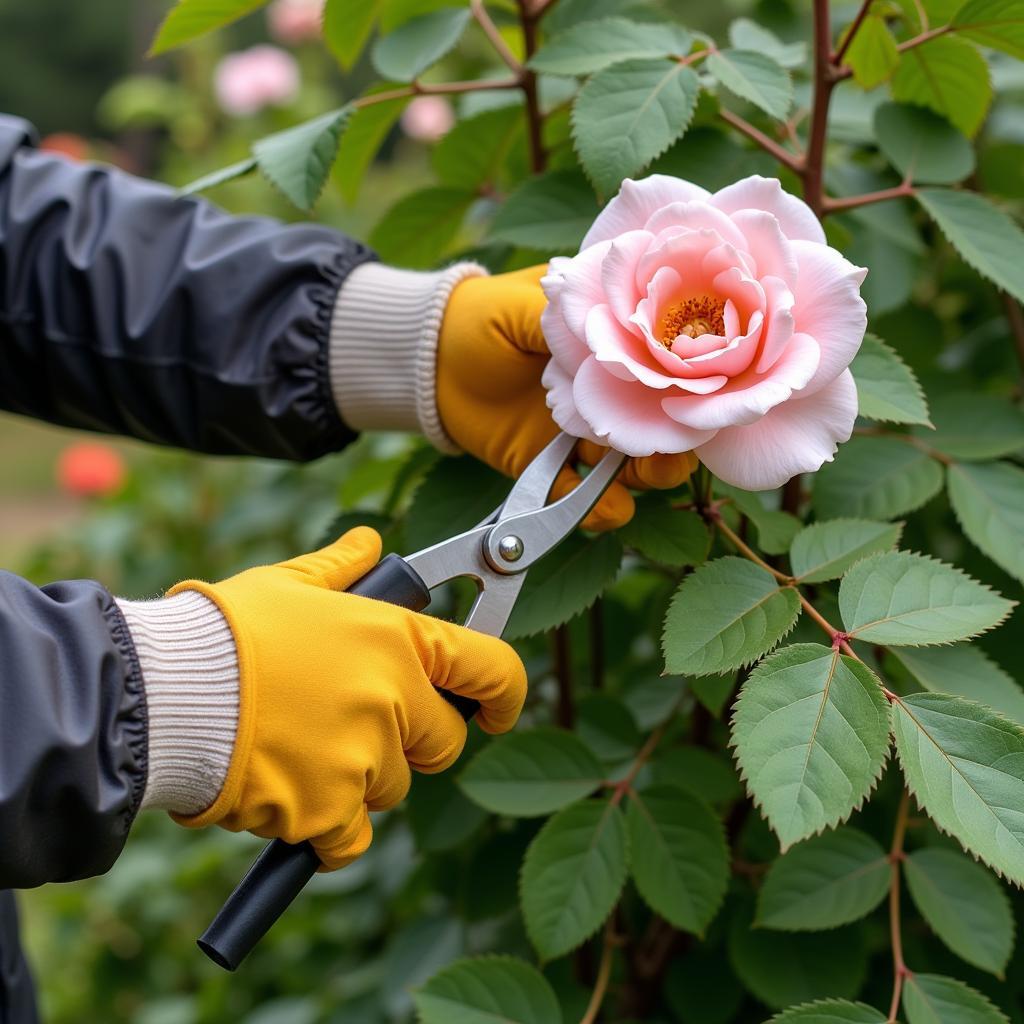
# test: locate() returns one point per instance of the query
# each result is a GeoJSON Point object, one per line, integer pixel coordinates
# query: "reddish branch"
{"type": "Point", "coordinates": [896, 857]}
{"type": "Point", "coordinates": [837, 57]}
{"type": "Point", "coordinates": [528, 16]}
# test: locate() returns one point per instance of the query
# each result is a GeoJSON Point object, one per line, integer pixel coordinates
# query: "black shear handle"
{"type": "Point", "coordinates": [281, 871]}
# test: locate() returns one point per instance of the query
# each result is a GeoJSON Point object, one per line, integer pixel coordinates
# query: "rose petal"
{"type": "Point", "coordinates": [781, 323]}
{"type": "Point", "coordinates": [566, 349]}
{"type": "Point", "coordinates": [795, 437]}
{"type": "Point", "coordinates": [730, 359]}
{"type": "Point", "coordinates": [829, 307]}
{"type": "Point", "coordinates": [629, 358]}
{"type": "Point", "coordinates": [795, 217]}
{"type": "Point", "coordinates": [561, 403]}
{"type": "Point", "coordinates": [618, 273]}
{"type": "Point", "coordinates": [768, 246]}
{"type": "Point", "coordinates": [581, 289]}
{"type": "Point", "coordinates": [636, 201]}
{"type": "Point", "coordinates": [686, 254]}
{"type": "Point", "coordinates": [628, 416]}
{"type": "Point", "coordinates": [695, 216]}
{"type": "Point", "coordinates": [748, 398]}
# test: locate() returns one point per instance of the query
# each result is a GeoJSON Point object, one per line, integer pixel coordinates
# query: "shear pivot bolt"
{"type": "Point", "coordinates": [510, 548]}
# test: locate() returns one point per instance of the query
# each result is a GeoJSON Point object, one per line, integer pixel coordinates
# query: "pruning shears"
{"type": "Point", "coordinates": [495, 554]}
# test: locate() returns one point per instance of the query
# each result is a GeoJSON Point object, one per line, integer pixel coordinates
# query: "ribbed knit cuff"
{"type": "Point", "coordinates": [190, 673]}
{"type": "Point", "coordinates": [383, 349]}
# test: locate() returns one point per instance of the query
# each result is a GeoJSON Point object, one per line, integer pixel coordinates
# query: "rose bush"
{"type": "Point", "coordinates": [721, 323]}
{"type": "Point", "coordinates": [770, 765]}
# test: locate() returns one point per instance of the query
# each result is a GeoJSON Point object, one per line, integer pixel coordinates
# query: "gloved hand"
{"type": "Point", "coordinates": [337, 698]}
{"type": "Point", "coordinates": [491, 354]}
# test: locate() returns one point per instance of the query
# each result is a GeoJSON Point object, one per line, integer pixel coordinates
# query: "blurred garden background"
{"type": "Point", "coordinates": [442, 876]}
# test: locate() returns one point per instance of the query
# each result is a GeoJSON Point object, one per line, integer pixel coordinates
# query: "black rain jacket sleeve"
{"type": "Point", "coordinates": [128, 309]}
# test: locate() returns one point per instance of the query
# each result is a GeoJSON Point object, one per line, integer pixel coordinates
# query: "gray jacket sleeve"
{"type": "Point", "coordinates": [127, 308]}
{"type": "Point", "coordinates": [72, 732]}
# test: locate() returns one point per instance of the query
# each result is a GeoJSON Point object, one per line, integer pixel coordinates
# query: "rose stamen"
{"type": "Point", "coordinates": [691, 318]}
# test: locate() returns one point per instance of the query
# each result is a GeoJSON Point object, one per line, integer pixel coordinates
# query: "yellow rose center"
{"type": "Point", "coordinates": [691, 318]}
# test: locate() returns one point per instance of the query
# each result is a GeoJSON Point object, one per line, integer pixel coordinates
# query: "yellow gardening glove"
{"type": "Point", "coordinates": [491, 354]}
{"type": "Point", "coordinates": [337, 698]}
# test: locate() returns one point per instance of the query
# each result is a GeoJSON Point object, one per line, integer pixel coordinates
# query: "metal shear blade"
{"type": "Point", "coordinates": [524, 528]}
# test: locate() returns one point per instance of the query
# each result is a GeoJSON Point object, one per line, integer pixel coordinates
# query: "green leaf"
{"type": "Point", "coordinates": [565, 583]}
{"type": "Point", "coordinates": [298, 160]}
{"type": "Point", "coordinates": [783, 968]}
{"type": "Point", "coordinates": [950, 77]}
{"type": "Point", "coordinates": [975, 428]}
{"type": "Point", "coordinates": [573, 873]}
{"type": "Point", "coordinates": [824, 551]}
{"type": "Point", "coordinates": [830, 1011]}
{"type": "Point", "coordinates": [219, 176]}
{"type": "Point", "coordinates": [440, 817]}
{"type": "Point", "coordinates": [453, 497]}
{"type": "Point", "coordinates": [754, 77]}
{"type": "Point", "coordinates": [713, 692]}
{"type": "Point", "coordinates": [608, 728]}
{"type": "Point", "coordinates": [998, 24]}
{"type": "Point", "coordinates": [988, 499]}
{"type": "Point", "coordinates": [932, 999]}
{"type": "Point", "coordinates": [551, 213]}
{"type": "Point", "coordinates": [965, 765]}
{"type": "Point", "coordinates": [474, 152]}
{"type": "Point", "coordinates": [680, 859]}
{"type": "Point", "coordinates": [827, 881]}
{"type": "Point", "coordinates": [594, 45]}
{"type": "Point", "coordinates": [710, 776]}
{"type": "Point", "coordinates": [964, 670]}
{"type": "Point", "coordinates": [775, 529]}
{"type": "Point", "coordinates": [363, 136]}
{"type": "Point", "coordinates": [189, 19]}
{"type": "Point", "coordinates": [672, 537]}
{"type": "Point", "coordinates": [404, 54]}
{"type": "Point", "coordinates": [745, 34]}
{"type": "Point", "coordinates": [725, 615]}
{"type": "Point", "coordinates": [872, 56]}
{"type": "Point", "coordinates": [875, 478]}
{"type": "Point", "coordinates": [527, 774]}
{"type": "Point", "coordinates": [964, 905]}
{"type": "Point", "coordinates": [981, 233]}
{"type": "Point", "coordinates": [417, 230]}
{"type": "Point", "coordinates": [628, 114]}
{"type": "Point", "coordinates": [886, 387]}
{"type": "Point", "coordinates": [347, 27]}
{"type": "Point", "coordinates": [910, 600]}
{"type": "Point", "coordinates": [922, 145]}
{"type": "Point", "coordinates": [487, 989]}
{"type": "Point", "coordinates": [811, 735]}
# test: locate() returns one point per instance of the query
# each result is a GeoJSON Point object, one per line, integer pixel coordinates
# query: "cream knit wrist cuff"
{"type": "Point", "coordinates": [190, 673]}
{"type": "Point", "coordinates": [383, 348]}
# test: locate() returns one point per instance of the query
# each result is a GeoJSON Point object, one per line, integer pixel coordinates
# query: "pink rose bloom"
{"type": "Point", "coordinates": [717, 323]}
{"type": "Point", "coordinates": [427, 119]}
{"type": "Point", "coordinates": [295, 21]}
{"type": "Point", "coordinates": [252, 79]}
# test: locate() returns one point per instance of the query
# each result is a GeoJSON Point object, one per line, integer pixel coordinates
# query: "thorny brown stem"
{"type": "Point", "coordinates": [737, 542]}
{"type": "Point", "coordinates": [901, 191]}
{"type": "Point", "coordinates": [528, 15]}
{"type": "Point", "coordinates": [561, 655]}
{"type": "Point", "coordinates": [896, 857]}
{"type": "Point", "coordinates": [769, 145]}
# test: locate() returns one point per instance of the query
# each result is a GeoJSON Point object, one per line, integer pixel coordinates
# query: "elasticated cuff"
{"type": "Point", "coordinates": [383, 348]}
{"type": "Point", "coordinates": [190, 672]}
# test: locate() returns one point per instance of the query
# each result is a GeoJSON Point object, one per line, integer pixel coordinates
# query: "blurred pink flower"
{"type": "Point", "coordinates": [295, 21]}
{"type": "Point", "coordinates": [252, 79]}
{"type": "Point", "coordinates": [427, 119]}
{"type": "Point", "coordinates": [67, 144]}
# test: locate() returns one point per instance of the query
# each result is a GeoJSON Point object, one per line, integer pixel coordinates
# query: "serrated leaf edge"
{"type": "Point", "coordinates": [824, 1004]}
{"type": "Point", "coordinates": [920, 392]}
{"type": "Point", "coordinates": [1011, 603]}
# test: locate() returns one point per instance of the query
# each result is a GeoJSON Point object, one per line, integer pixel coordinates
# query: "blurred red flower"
{"type": "Point", "coordinates": [74, 147]}
{"type": "Point", "coordinates": [90, 469]}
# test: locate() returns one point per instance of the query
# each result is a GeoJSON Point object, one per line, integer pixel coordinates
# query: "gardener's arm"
{"type": "Point", "coordinates": [127, 308]}
{"type": "Point", "coordinates": [269, 702]}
